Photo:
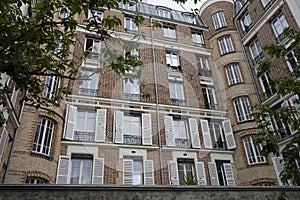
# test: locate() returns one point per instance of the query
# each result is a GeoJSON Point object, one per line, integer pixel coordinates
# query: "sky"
{"type": "Point", "coordinates": [171, 4]}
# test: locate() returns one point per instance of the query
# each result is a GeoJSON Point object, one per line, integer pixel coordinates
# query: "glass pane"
{"type": "Point", "coordinates": [86, 171]}
{"type": "Point", "coordinates": [90, 124]}
{"type": "Point", "coordinates": [75, 171]}
{"type": "Point", "coordinates": [80, 121]}
{"type": "Point", "coordinates": [137, 173]}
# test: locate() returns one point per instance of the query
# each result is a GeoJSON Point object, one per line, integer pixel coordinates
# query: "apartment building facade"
{"type": "Point", "coordinates": [185, 113]}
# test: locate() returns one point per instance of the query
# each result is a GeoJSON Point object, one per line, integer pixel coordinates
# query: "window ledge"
{"type": "Point", "coordinates": [40, 155]}
{"type": "Point", "coordinates": [227, 53]}
{"type": "Point", "coordinates": [234, 84]}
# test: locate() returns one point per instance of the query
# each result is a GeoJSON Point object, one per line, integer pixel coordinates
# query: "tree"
{"type": "Point", "coordinates": [288, 115]}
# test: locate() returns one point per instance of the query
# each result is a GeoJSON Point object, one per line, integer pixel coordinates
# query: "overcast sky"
{"type": "Point", "coordinates": [171, 4]}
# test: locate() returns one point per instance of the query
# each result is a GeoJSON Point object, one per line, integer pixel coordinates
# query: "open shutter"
{"type": "Point", "coordinates": [119, 126]}
{"type": "Point", "coordinates": [296, 106]}
{"type": "Point", "coordinates": [194, 133]}
{"type": "Point", "coordinates": [173, 173]}
{"type": "Point", "coordinates": [70, 123]}
{"type": "Point", "coordinates": [229, 174]}
{"type": "Point", "coordinates": [286, 104]}
{"type": "Point", "coordinates": [98, 171]}
{"type": "Point", "coordinates": [146, 129]}
{"type": "Point", "coordinates": [63, 170]}
{"type": "Point", "coordinates": [170, 140]}
{"type": "Point", "coordinates": [148, 172]}
{"type": "Point", "coordinates": [214, 180]}
{"type": "Point", "coordinates": [278, 166]}
{"type": "Point", "coordinates": [3, 138]}
{"type": "Point", "coordinates": [228, 134]}
{"type": "Point", "coordinates": [270, 125]}
{"type": "Point", "coordinates": [200, 171]}
{"type": "Point", "coordinates": [206, 134]}
{"type": "Point", "coordinates": [100, 128]}
{"type": "Point", "coordinates": [127, 171]}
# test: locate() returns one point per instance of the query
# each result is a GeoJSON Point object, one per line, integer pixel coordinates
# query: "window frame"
{"type": "Point", "coordinates": [52, 84]}
{"type": "Point", "coordinates": [134, 92]}
{"type": "Point", "coordinates": [169, 32]}
{"type": "Point", "coordinates": [90, 84]}
{"type": "Point", "coordinates": [185, 163]}
{"type": "Point", "coordinates": [294, 59]}
{"type": "Point", "coordinates": [242, 111]}
{"type": "Point", "coordinates": [35, 180]}
{"type": "Point", "coordinates": [256, 51]}
{"type": "Point", "coordinates": [92, 52]}
{"type": "Point", "coordinates": [81, 159]}
{"type": "Point", "coordinates": [209, 97]}
{"type": "Point", "coordinates": [197, 38]}
{"type": "Point", "coordinates": [254, 149]}
{"type": "Point", "coordinates": [279, 27]}
{"type": "Point", "coordinates": [233, 74]}
{"type": "Point", "coordinates": [216, 144]}
{"type": "Point", "coordinates": [246, 19]}
{"type": "Point", "coordinates": [177, 96]}
{"type": "Point", "coordinates": [265, 82]}
{"type": "Point", "coordinates": [131, 5]}
{"type": "Point", "coordinates": [225, 45]}
{"type": "Point", "coordinates": [131, 26]}
{"type": "Point", "coordinates": [132, 138]}
{"type": "Point", "coordinates": [219, 20]}
{"type": "Point", "coordinates": [164, 13]}
{"type": "Point", "coordinates": [98, 15]}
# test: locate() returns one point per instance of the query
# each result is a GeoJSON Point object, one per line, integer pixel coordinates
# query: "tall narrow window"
{"type": "Point", "coordinates": [43, 136]}
{"type": "Point", "coordinates": [130, 24]}
{"type": "Point", "coordinates": [246, 22]}
{"type": "Point", "coordinates": [198, 38]}
{"type": "Point", "coordinates": [185, 169]}
{"type": "Point", "coordinates": [233, 74]}
{"type": "Point", "coordinates": [173, 62]}
{"type": "Point", "coordinates": [209, 96]}
{"type": "Point", "coordinates": [180, 128]}
{"type": "Point", "coordinates": [89, 85]}
{"type": "Point", "coordinates": [267, 88]}
{"type": "Point", "coordinates": [176, 93]}
{"type": "Point", "coordinates": [267, 3]}
{"type": "Point", "coordinates": [225, 45]}
{"type": "Point", "coordinates": [92, 48]}
{"type": "Point", "coordinates": [132, 129]}
{"type": "Point", "coordinates": [52, 84]}
{"type": "Point", "coordinates": [95, 16]}
{"type": "Point", "coordinates": [132, 89]}
{"type": "Point", "coordinates": [253, 151]}
{"type": "Point", "coordinates": [203, 67]}
{"type": "Point", "coordinates": [278, 25]}
{"type": "Point", "coordinates": [219, 20]}
{"type": "Point", "coordinates": [256, 52]}
{"type": "Point", "coordinates": [216, 134]}
{"type": "Point", "coordinates": [169, 32]}
{"type": "Point", "coordinates": [293, 58]}
{"type": "Point", "coordinates": [164, 13]}
{"type": "Point", "coordinates": [242, 109]}
{"type": "Point", "coordinates": [81, 169]}
{"type": "Point", "coordinates": [85, 129]}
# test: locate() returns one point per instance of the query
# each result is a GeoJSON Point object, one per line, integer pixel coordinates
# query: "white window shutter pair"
{"type": "Point", "coordinates": [214, 180]}
{"type": "Point", "coordinates": [64, 170]}
{"type": "Point", "coordinates": [3, 138]}
{"type": "Point", "coordinates": [128, 172]}
{"type": "Point", "coordinates": [278, 166]}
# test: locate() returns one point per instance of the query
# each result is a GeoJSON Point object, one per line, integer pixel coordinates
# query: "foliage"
{"type": "Point", "coordinates": [190, 180]}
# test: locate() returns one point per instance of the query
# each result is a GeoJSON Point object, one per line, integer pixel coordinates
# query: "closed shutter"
{"type": "Point", "coordinates": [278, 166]}
{"type": "Point", "coordinates": [98, 171]}
{"type": "Point", "coordinates": [230, 141]}
{"type": "Point", "coordinates": [3, 138]}
{"type": "Point", "coordinates": [170, 140]}
{"type": "Point", "coordinates": [214, 180]}
{"type": "Point", "coordinates": [173, 173]}
{"type": "Point", "coordinates": [146, 129]}
{"type": "Point", "coordinates": [296, 105]}
{"type": "Point", "coordinates": [71, 122]}
{"type": "Point", "coordinates": [119, 126]}
{"type": "Point", "coordinates": [206, 134]}
{"type": "Point", "coordinates": [194, 133]}
{"type": "Point", "coordinates": [127, 171]}
{"type": "Point", "coordinates": [100, 128]}
{"type": "Point", "coordinates": [200, 171]}
{"type": "Point", "coordinates": [229, 174]}
{"type": "Point", "coordinates": [63, 170]}
{"type": "Point", "coordinates": [148, 172]}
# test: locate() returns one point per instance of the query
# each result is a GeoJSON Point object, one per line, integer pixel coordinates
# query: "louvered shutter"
{"type": "Point", "coordinates": [119, 126]}
{"type": "Point", "coordinates": [3, 138]}
{"type": "Point", "coordinates": [173, 173]}
{"type": "Point", "coordinates": [127, 172]}
{"type": "Point", "coordinates": [98, 171]}
{"type": "Point", "coordinates": [278, 166]}
{"type": "Point", "coordinates": [194, 133]}
{"type": "Point", "coordinates": [206, 134]}
{"type": "Point", "coordinates": [170, 140]}
{"type": "Point", "coordinates": [71, 122]}
{"type": "Point", "coordinates": [286, 104]}
{"type": "Point", "coordinates": [296, 106]}
{"type": "Point", "coordinates": [229, 174]}
{"type": "Point", "coordinates": [63, 170]}
{"type": "Point", "coordinates": [100, 128]}
{"type": "Point", "coordinates": [230, 141]}
{"type": "Point", "coordinates": [270, 125]}
{"type": "Point", "coordinates": [146, 129]}
{"type": "Point", "coordinates": [200, 171]}
{"type": "Point", "coordinates": [148, 172]}
{"type": "Point", "coordinates": [214, 180]}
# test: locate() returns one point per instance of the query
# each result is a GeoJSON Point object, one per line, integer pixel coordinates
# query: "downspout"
{"type": "Point", "coordinates": [14, 141]}
{"type": "Point", "coordinates": [157, 108]}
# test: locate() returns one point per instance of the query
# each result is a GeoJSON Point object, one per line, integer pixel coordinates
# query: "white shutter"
{"type": "Point", "coordinates": [148, 172]}
{"type": "Point", "coordinates": [214, 180]}
{"type": "Point", "coordinates": [100, 128]}
{"type": "Point", "coordinates": [71, 122]}
{"type": "Point", "coordinates": [194, 133]}
{"type": "Point", "coordinates": [3, 138]}
{"type": "Point", "coordinates": [63, 170]}
{"type": "Point", "coordinates": [146, 129]}
{"type": "Point", "coordinates": [270, 125]}
{"type": "Point", "coordinates": [170, 140]}
{"type": "Point", "coordinates": [296, 106]}
{"type": "Point", "coordinates": [206, 134]}
{"type": "Point", "coordinates": [200, 171]}
{"type": "Point", "coordinates": [173, 173]}
{"type": "Point", "coordinates": [119, 126]}
{"type": "Point", "coordinates": [127, 172]}
{"type": "Point", "coordinates": [278, 166]}
{"type": "Point", "coordinates": [229, 174]}
{"type": "Point", "coordinates": [230, 141]}
{"type": "Point", "coordinates": [98, 171]}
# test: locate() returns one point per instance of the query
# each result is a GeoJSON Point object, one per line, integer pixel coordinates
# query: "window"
{"type": "Point", "coordinates": [225, 45]}
{"type": "Point", "coordinates": [164, 13]}
{"type": "Point", "coordinates": [81, 169]}
{"type": "Point", "coordinates": [176, 93]}
{"type": "Point", "coordinates": [65, 12]}
{"type": "Point", "coordinates": [233, 74]}
{"type": "Point", "coordinates": [256, 52]}
{"type": "Point", "coordinates": [219, 20]}
{"type": "Point", "coordinates": [52, 84]}
{"type": "Point", "coordinates": [267, 3]}
{"type": "Point", "coordinates": [43, 136]}
{"type": "Point", "coordinates": [189, 18]}
{"type": "Point", "coordinates": [59, 47]}
{"type": "Point", "coordinates": [278, 25]}
{"type": "Point", "coordinates": [216, 135]}
{"type": "Point", "coordinates": [203, 67]}
{"type": "Point", "coordinates": [169, 32]}
{"type": "Point", "coordinates": [89, 85]}
{"type": "Point", "coordinates": [132, 129]}
{"type": "Point", "coordinates": [198, 39]}
{"type": "Point", "coordinates": [173, 62]}
{"type": "Point", "coordinates": [221, 173]}
{"type": "Point", "coordinates": [130, 6]}
{"type": "Point", "coordinates": [3, 138]}
{"type": "Point", "coordinates": [95, 16]}
{"type": "Point", "coordinates": [33, 180]}
{"type": "Point", "coordinates": [130, 24]}
{"type": "Point", "coordinates": [92, 48]}
{"type": "Point", "coordinates": [180, 128]}
{"type": "Point", "coordinates": [267, 88]}
{"type": "Point", "coordinates": [132, 89]}
{"type": "Point", "coordinates": [242, 109]}
{"type": "Point", "coordinates": [246, 22]}
{"type": "Point", "coordinates": [85, 125]}
{"type": "Point", "coordinates": [210, 101]}
{"type": "Point", "coordinates": [185, 169]}
{"type": "Point", "coordinates": [253, 151]}
{"type": "Point", "coordinates": [293, 58]}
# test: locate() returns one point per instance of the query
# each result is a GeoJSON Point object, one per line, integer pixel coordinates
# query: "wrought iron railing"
{"type": "Point", "coordinates": [88, 92]}
{"type": "Point", "coordinates": [182, 143]}
{"type": "Point", "coordinates": [132, 97]}
{"type": "Point", "coordinates": [178, 102]}
{"type": "Point", "coordinates": [132, 139]}
{"type": "Point", "coordinates": [258, 58]}
{"type": "Point", "coordinates": [174, 68]}
{"type": "Point", "coordinates": [203, 72]}
{"type": "Point", "coordinates": [84, 136]}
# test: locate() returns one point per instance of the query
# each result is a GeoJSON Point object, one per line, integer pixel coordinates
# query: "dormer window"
{"type": "Point", "coordinates": [189, 18]}
{"type": "Point", "coordinates": [130, 25]}
{"type": "Point", "coordinates": [164, 13]}
{"type": "Point", "coordinates": [130, 6]}
{"type": "Point", "coordinates": [95, 16]}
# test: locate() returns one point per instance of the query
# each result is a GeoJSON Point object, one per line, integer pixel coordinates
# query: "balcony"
{"type": "Point", "coordinates": [174, 68]}
{"type": "Point", "coordinates": [178, 102]}
{"type": "Point", "coordinates": [258, 58]}
{"type": "Point", "coordinates": [88, 92]}
{"type": "Point", "coordinates": [132, 97]}
{"type": "Point", "coordinates": [182, 143]}
{"type": "Point", "coordinates": [84, 136]}
{"type": "Point", "coordinates": [132, 139]}
{"type": "Point", "coordinates": [203, 72]}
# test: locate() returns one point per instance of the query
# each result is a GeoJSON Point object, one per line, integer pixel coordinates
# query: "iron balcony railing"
{"type": "Point", "coordinates": [84, 136]}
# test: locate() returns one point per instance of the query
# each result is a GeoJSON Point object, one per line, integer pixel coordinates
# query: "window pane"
{"type": "Point", "coordinates": [75, 171]}
{"type": "Point", "coordinates": [86, 171]}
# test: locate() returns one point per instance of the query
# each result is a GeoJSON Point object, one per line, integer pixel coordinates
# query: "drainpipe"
{"type": "Point", "coordinates": [157, 108]}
